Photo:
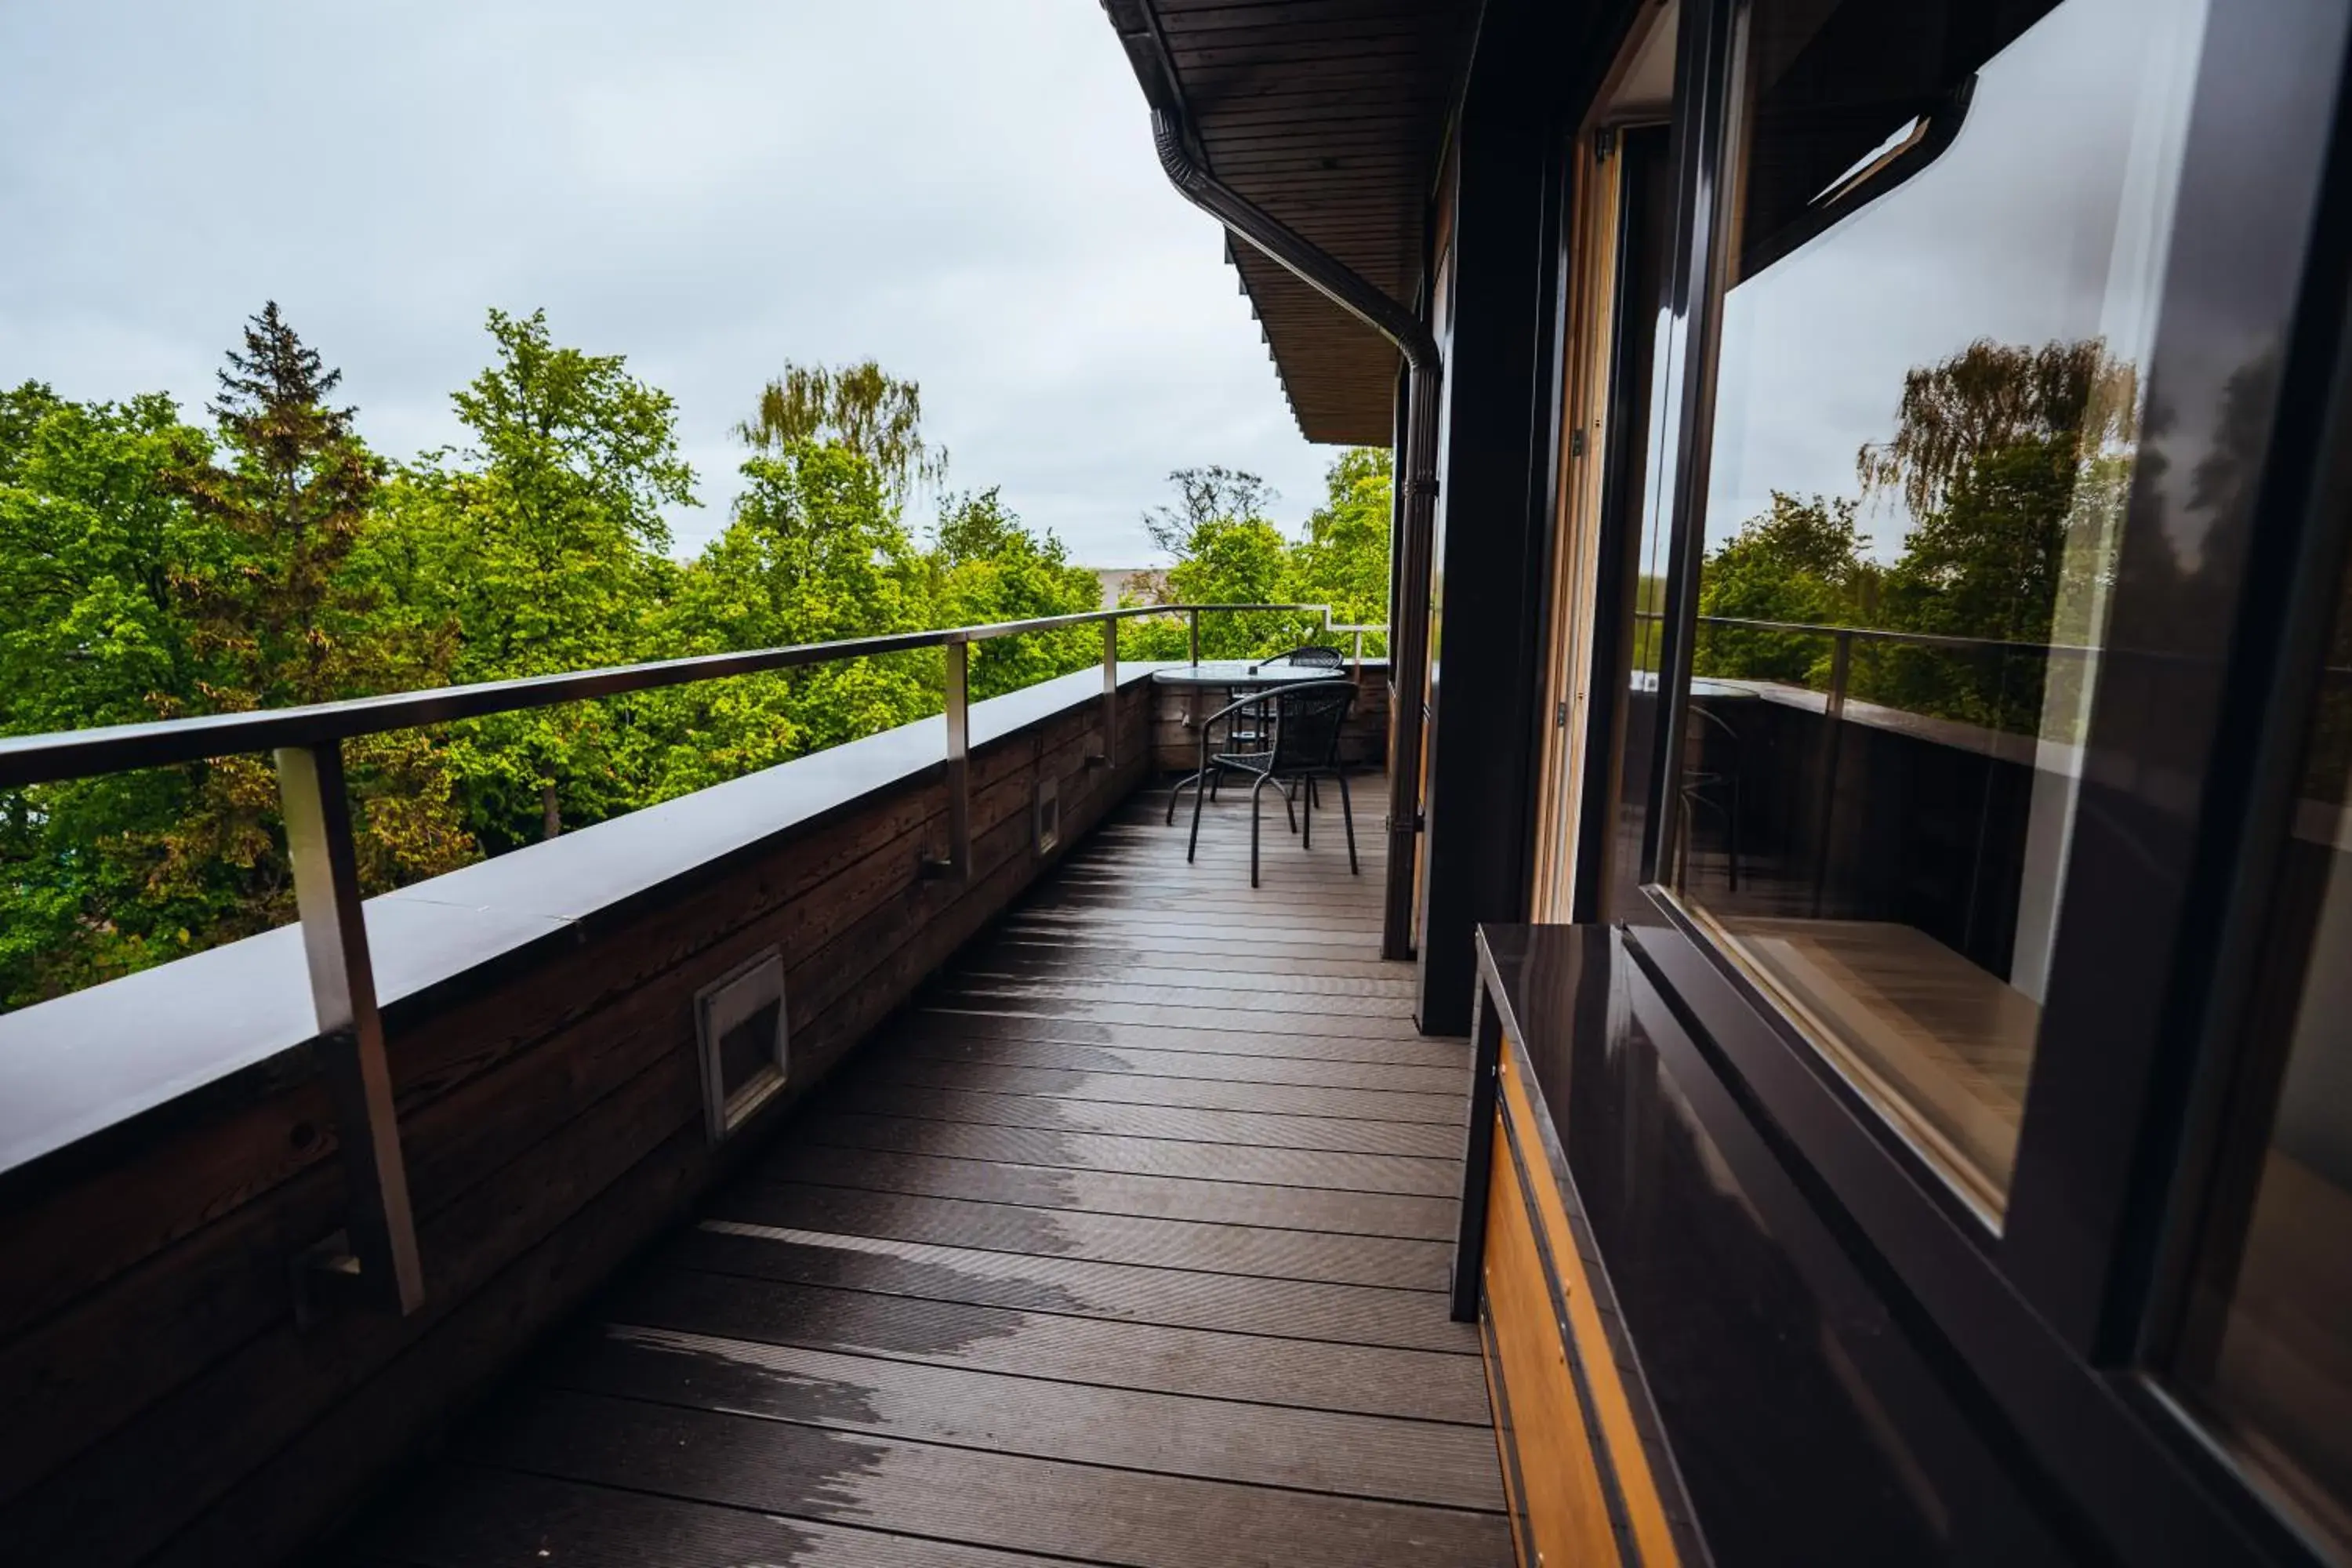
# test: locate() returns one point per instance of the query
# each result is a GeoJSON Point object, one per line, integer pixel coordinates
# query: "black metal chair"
{"type": "Point", "coordinates": [1302, 725]}
{"type": "Point", "coordinates": [1708, 787]}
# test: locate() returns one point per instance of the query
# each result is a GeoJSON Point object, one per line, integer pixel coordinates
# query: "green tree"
{"type": "Point", "coordinates": [153, 571]}
{"type": "Point", "coordinates": [542, 545]}
{"type": "Point", "coordinates": [987, 567]}
{"type": "Point", "coordinates": [1227, 553]}
{"type": "Point", "coordinates": [1343, 561]}
{"type": "Point", "coordinates": [861, 407]}
{"type": "Point", "coordinates": [816, 553]}
{"type": "Point", "coordinates": [93, 541]}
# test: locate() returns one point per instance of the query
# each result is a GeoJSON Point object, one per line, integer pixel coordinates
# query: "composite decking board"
{"type": "Point", "coordinates": [1114, 1011]}
{"type": "Point", "coordinates": [1066, 965]}
{"type": "Point", "coordinates": [1225, 1066]}
{"type": "Point", "coordinates": [1070, 1347]}
{"type": "Point", "coordinates": [1336, 1170]}
{"type": "Point", "coordinates": [928, 1022]}
{"type": "Point", "coordinates": [1285, 1002]}
{"type": "Point", "coordinates": [1431, 1143]}
{"type": "Point", "coordinates": [1230, 1303]}
{"type": "Point", "coordinates": [1089, 1512]}
{"type": "Point", "coordinates": [1203, 941]}
{"type": "Point", "coordinates": [1012, 954]}
{"type": "Point", "coordinates": [1191, 1091]}
{"type": "Point", "coordinates": [1252, 1442]}
{"type": "Point", "coordinates": [1103, 1192]}
{"type": "Point", "coordinates": [1124, 1244]}
{"type": "Point", "coordinates": [1259, 1251]}
{"type": "Point", "coordinates": [475, 1516]}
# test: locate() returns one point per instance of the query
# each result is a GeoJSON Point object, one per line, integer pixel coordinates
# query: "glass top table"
{"type": "Point", "coordinates": [1239, 673]}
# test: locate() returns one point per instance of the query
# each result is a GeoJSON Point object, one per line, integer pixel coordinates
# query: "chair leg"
{"type": "Point", "coordinates": [1289, 806]}
{"type": "Point", "coordinates": [1254, 788]}
{"type": "Point", "coordinates": [1306, 812]}
{"type": "Point", "coordinates": [1193, 847]}
{"type": "Point", "coordinates": [1348, 816]}
{"type": "Point", "coordinates": [1177, 793]}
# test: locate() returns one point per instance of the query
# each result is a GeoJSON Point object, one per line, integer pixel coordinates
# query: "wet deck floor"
{"type": "Point", "coordinates": [1129, 1245]}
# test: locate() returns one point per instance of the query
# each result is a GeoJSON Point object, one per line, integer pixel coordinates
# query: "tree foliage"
{"type": "Point", "coordinates": [151, 567]}
{"type": "Point", "coordinates": [2000, 454]}
{"type": "Point", "coordinates": [1229, 552]}
{"type": "Point", "coordinates": [860, 407]}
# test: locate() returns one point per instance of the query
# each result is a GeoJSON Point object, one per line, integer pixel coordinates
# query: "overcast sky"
{"type": "Point", "coordinates": [2043, 221]}
{"type": "Point", "coordinates": [964, 191]}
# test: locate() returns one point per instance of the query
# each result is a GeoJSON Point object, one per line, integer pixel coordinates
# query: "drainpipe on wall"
{"type": "Point", "coordinates": [1409, 621]}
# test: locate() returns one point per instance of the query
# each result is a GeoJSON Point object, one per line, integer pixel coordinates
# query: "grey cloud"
{"type": "Point", "coordinates": [965, 191]}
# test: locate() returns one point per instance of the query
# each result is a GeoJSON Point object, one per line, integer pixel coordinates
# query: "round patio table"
{"type": "Point", "coordinates": [1232, 675]}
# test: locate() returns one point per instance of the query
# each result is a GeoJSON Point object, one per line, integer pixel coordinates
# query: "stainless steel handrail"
{"type": "Point", "coordinates": [84, 753]}
{"type": "Point", "coordinates": [377, 1252]}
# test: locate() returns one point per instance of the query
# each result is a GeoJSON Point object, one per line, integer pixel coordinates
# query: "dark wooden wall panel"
{"type": "Point", "coordinates": [553, 1123]}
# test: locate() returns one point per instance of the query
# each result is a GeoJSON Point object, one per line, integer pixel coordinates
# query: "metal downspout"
{"type": "Point", "coordinates": [1408, 620]}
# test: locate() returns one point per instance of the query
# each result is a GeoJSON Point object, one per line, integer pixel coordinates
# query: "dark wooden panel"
{"type": "Point", "coordinates": [1214, 1439]}
{"type": "Point", "coordinates": [1351, 1314]}
{"type": "Point", "coordinates": [1418, 1140]}
{"type": "Point", "coordinates": [471, 1516]}
{"type": "Point", "coordinates": [962, 1023]}
{"type": "Point", "coordinates": [1100, 1192]}
{"type": "Point", "coordinates": [1111, 1011]}
{"type": "Point", "coordinates": [1114, 1289]}
{"type": "Point", "coordinates": [1291, 1002]}
{"type": "Point", "coordinates": [1214, 1249]}
{"type": "Point", "coordinates": [1336, 1170]}
{"type": "Point", "coordinates": [1304, 1374]}
{"type": "Point", "coordinates": [1191, 1091]}
{"type": "Point", "coordinates": [962, 1494]}
{"type": "Point", "coordinates": [1225, 1066]}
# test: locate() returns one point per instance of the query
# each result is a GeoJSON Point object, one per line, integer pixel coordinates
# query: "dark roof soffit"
{"type": "Point", "coordinates": [1328, 115]}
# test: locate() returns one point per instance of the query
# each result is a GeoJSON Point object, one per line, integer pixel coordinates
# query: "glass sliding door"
{"type": "Point", "coordinates": [1946, 232]}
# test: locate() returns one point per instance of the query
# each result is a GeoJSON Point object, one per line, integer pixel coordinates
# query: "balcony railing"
{"type": "Point", "coordinates": [307, 743]}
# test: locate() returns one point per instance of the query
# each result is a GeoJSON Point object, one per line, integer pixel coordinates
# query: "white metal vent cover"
{"type": "Point", "coordinates": [1049, 813]}
{"type": "Point", "coordinates": [740, 1025]}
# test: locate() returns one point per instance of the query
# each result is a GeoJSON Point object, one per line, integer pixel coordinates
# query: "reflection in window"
{"type": "Point", "coordinates": [1949, 235]}
{"type": "Point", "coordinates": [2267, 1354]}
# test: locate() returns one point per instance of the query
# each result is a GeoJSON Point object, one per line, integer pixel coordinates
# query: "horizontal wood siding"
{"type": "Point", "coordinates": [163, 1405]}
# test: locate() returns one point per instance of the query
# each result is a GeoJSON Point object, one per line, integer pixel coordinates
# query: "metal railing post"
{"type": "Point", "coordinates": [1195, 618]}
{"type": "Point", "coordinates": [1110, 693]}
{"type": "Point", "coordinates": [1832, 721]}
{"type": "Point", "coordinates": [382, 1230]}
{"type": "Point", "coordinates": [958, 655]}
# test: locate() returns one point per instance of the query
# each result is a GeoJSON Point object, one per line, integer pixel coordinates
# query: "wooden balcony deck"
{"type": "Point", "coordinates": [1127, 1245]}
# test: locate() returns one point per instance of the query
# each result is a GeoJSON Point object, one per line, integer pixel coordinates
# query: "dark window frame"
{"type": "Point", "coordinates": [2049, 1324]}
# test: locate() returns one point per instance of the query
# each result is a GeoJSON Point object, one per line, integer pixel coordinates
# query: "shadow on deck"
{"type": "Point", "coordinates": [1126, 1244]}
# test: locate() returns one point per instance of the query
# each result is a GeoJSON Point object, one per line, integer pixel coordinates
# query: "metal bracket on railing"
{"type": "Point", "coordinates": [1109, 758]}
{"type": "Point", "coordinates": [959, 704]}
{"type": "Point", "coordinates": [381, 1251]}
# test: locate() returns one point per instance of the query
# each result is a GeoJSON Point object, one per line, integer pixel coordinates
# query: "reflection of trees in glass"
{"type": "Point", "coordinates": [1996, 453]}
{"type": "Point", "coordinates": [1800, 562]}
